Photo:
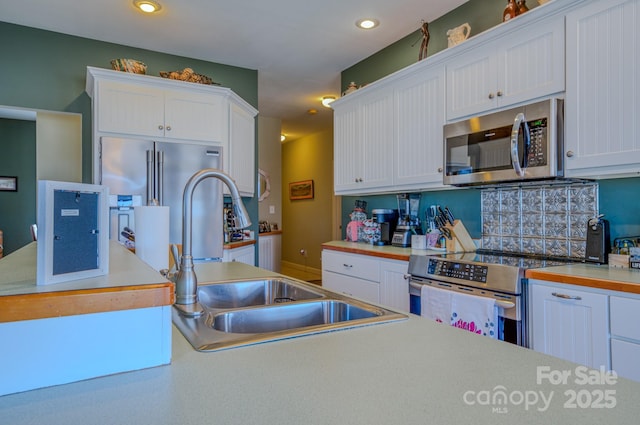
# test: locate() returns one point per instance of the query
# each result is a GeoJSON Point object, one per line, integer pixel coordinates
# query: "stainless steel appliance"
{"type": "Point", "coordinates": [387, 219]}
{"type": "Point", "coordinates": [148, 170]}
{"type": "Point", "coordinates": [522, 143]}
{"type": "Point", "coordinates": [484, 274]}
{"type": "Point", "coordinates": [408, 220]}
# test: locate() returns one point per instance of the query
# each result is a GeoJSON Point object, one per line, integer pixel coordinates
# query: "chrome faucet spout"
{"type": "Point", "coordinates": [186, 280]}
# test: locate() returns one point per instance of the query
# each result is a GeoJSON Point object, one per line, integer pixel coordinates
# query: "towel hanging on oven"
{"type": "Point", "coordinates": [475, 314]}
{"type": "Point", "coordinates": [435, 303]}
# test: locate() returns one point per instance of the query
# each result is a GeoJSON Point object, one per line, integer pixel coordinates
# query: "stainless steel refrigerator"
{"type": "Point", "coordinates": [138, 171]}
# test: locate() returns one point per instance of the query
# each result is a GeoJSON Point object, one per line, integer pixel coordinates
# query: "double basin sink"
{"type": "Point", "coordinates": [253, 311]}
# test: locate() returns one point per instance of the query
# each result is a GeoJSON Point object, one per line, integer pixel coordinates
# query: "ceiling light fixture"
{"type": "Point", "coordinates": [326, 101]}
{"type": "Point", "coordinates": [147, 6]}
{"type": "Point", "coordinates": [367, 23]}
{"type": "Point", "coordinates": [283, 137]}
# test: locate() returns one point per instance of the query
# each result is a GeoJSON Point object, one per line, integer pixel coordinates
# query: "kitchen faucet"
{"type": "Point", "coordinates": [185, 278]}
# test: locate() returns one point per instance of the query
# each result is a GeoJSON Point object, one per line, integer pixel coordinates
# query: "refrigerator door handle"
{"type": "Point", "coordinates": [149, 177]}
{"type": "Point", "coordinates": [160, 181]}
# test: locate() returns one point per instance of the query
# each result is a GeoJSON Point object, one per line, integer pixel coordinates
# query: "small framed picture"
{"type": "Point", "coordinates": [301, 190]}
{"type": "Point", "coordinates": [9, 184]}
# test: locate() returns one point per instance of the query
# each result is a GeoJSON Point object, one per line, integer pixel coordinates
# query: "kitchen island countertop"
{"type": "Point", "coordinates": [414, 371]}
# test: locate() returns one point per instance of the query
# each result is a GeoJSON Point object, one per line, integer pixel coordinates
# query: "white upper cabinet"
{"type": "Point", "coordinates": [521, 65]}
{"type": "Point", "coordinates": [419, 117]}
{"type": "Point", "coordinates": [135, 109]}
{"type": "Point", "coordinates": [603, 90]}
{"type": "Point", "coordinates": [389, 136]}
{"type": "Point", "coordinates": [241, 156]}
{"type": "Point", "coordinates": [140, 106]}
{"type": "Point", "coordinates": [363, 132]}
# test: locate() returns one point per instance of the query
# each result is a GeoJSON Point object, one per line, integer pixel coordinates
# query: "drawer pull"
{"type": "Point", "coordinates": [565, 296]}
{"type": "Point", "coordinates": [348, 265]}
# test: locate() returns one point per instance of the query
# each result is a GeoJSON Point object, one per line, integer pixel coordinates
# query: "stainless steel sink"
{"type": "Point", "coordinates": [246, 312]}
{"type": "Point", "coordinates": [292, 316]}
{"type": "Point", "coordinates": [253, 293]}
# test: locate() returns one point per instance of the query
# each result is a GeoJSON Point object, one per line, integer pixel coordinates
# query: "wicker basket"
{"type": "Point", "coordinates": [129, 65]}
{"type": "Point", "coordinates": [188, 75]}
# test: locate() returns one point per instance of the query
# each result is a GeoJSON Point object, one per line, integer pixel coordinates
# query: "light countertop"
{"type": "Point", "coordinates": [129, 284]}
{"type": "Point", "coordinates": [591, 275]}
{"type": "Point", "coordinates": [414, 371]}
{"type": "Point", "coordinates": [409, 372]}
{"type": "Point", "coordinates": [582, 274]}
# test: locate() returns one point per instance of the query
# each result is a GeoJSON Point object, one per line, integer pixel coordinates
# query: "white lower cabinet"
{"type": "Point", "coordinates": [625, 336]}
{"type": "Point", "coordinates": [570, 323]}
{"type": "Point", "coordinates": [243, 254]}
{"type": "Point", "coordinates": [270, 252]}
{"type": "Point", "coordinates": [366, 277]}
{"type": "Point", "coordinates": [394, 284]}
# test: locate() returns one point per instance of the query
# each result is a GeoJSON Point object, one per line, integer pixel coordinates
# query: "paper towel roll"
{"type": "Point", "coordinates": [152, 235]}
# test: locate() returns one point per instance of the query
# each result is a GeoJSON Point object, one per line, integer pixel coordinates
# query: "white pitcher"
{"type": "Point", "coordinates": [458, 34]}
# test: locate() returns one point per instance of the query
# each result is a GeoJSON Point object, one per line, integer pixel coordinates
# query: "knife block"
{"type": "Point", "coordinates": [460, 240]}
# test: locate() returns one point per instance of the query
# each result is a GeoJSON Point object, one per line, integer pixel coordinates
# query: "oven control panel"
{"type": "Point", "coordinates": [464, 271]}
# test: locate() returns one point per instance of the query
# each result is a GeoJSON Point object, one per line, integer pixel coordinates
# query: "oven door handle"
{"type": "Point", "coordinates": [505, 304]}
{"type": "Point", "coordinates": [519, 121]}
{"type": "Point", "coordinates": [499, 303]}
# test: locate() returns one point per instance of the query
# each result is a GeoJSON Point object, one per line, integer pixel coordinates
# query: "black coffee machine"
{"type": "Point", "coordinates": [388, 220]}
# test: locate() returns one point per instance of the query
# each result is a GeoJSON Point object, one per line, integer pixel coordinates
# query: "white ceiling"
{"type": "Point", "coordinates": [298, 47]}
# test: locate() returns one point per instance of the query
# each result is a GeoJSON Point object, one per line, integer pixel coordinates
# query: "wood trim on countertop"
{"type": "Point", "coordinates": [45, 305]}
{"type": "Point", "coordinates": [273, 232]}
{"type": "Point", "coordinates": [592, 282]}
{"type": "Point", "coordinates": [369, 252]}
{"type": "Point", "coordinates": [238, 244]}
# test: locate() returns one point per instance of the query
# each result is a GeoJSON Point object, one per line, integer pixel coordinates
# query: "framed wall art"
{"type": "Point", "coordinates": [301, 190]}
{"type": "Point", "coordinates": [9, 184]}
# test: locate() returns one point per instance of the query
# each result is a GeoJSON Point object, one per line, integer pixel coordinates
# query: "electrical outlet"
{"type": "Point", "coordinates": [272, 209]}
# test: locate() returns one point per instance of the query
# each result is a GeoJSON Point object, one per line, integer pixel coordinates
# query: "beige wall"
{"type": "Point", "coordinates": [307, 223]}
{"type": "Point", "coordinates": [270, 160]}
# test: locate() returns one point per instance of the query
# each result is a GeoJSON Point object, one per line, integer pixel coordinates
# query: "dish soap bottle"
{"type": "Point", "coordinates": [511, 11]}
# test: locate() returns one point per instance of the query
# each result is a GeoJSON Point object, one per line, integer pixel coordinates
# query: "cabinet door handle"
{"type": "Point", "coordinates": [168, 128]}
{"type": "Point", "coordinates": [491, 96]}
{"type": "Point", "coordinates": [569, 154]}
{"type": "Point", "coordinates": [348, 266]}
{"type": "Point", "coordinates": [160, 127]}
{"type": "Point", "coordinates": [565, 296]}
{"type": "Point", "coordinates": [439, 169]}
{"type": "Point", "coordinates": [407, 276]}
{"type": "Point", "coordinates": [499, 93]}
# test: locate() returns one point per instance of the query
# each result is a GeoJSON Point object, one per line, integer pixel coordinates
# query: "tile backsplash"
{"type": "Point", "coordinates": [545, 219]}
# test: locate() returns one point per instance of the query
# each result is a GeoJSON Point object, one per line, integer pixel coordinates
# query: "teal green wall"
{"type": "Point", "coordinates": [479, 14]}
{"type": "Point", "coordinates": [17, 209]}
{"type": "Point", "coordinates": [618, 201]}
{"type": "Point", "coordinates": [618, 197]}
{"type": "Point", "coordinates": [47, 70]}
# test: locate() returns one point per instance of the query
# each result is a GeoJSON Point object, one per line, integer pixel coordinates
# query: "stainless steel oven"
{"type": "Point", "coordinates": [462, 273]}
{"type": "Point", "coordinates": [522, 143]}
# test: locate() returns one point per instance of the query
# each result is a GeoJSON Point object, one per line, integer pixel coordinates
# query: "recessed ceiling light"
{"type": "Point", "coordinates": [147, 6]}
{"type": "Point", "coordinates": [326, 101]}
{"type": "Point", "coordinates": [367, 23]}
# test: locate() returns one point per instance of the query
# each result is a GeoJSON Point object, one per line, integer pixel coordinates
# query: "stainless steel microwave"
{"type": "Point", "coordinates": [523, 143]}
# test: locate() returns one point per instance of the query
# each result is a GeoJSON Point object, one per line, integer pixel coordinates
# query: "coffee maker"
{"type": "Point", "coordinates": [408, 221]}
{"type": "Point", "coordinates": [387, 219]}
